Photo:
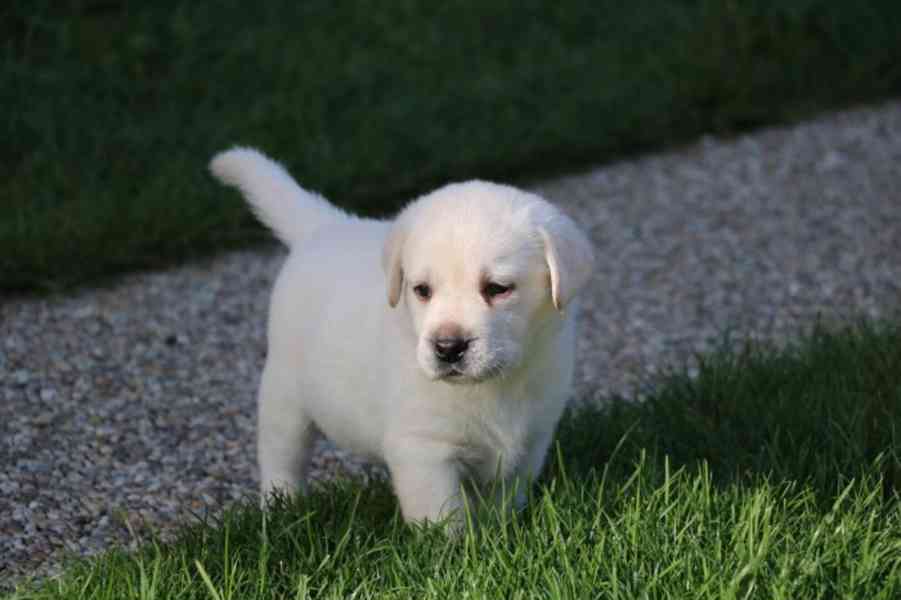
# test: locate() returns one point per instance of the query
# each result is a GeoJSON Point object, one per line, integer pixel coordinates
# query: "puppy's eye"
{"type": "Point", "coordinates": [493, 290]}
{"type": "Point", "coordinates": [422, 291]}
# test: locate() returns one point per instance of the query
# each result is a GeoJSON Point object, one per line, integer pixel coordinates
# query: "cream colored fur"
{"type": "Point", "coordinates": [354, 344]}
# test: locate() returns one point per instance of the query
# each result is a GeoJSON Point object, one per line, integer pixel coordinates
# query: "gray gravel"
{"type": "Point", "coordinates": [130, 407]}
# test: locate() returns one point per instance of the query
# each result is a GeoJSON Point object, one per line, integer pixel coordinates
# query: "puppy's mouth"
{"type": "Point", "coordinates": [449, 374]}
{"type": "Point", "coordinates": [455, 375]}
{"type": "Point", "coordinates": [452, 374]}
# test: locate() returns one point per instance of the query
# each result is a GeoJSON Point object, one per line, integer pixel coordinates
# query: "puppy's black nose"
{"type": "Point", "coordinates": [450, 350]}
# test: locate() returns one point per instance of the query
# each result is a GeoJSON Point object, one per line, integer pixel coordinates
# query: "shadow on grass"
{"type": "Point", "coordinates": [821, 411]}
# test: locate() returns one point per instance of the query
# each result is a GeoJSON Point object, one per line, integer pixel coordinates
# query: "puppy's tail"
{"type": "Point", "coordinates": [291, 212]}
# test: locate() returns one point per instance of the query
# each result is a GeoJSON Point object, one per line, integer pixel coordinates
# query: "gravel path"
{"type": "Point", "coordinates": [129, 406]}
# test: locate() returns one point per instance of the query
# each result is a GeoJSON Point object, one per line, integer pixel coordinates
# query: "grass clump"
{"type": "Point", "coordinates": [112, 108]}
{"type": "Point", "coordinates": [770, 474]}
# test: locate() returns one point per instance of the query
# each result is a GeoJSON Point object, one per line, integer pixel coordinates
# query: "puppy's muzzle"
{"type": "Point", "coordinates": [450, 350]}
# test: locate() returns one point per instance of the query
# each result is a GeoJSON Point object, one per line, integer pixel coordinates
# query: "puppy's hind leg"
{"type": "Point", "coordinates": [285, 433]}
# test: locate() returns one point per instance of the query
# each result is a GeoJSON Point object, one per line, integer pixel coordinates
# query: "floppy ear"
{"type": "Point", "coordinates": [391, 262]}
{"type": "Point", "coordinates": [570, 259]}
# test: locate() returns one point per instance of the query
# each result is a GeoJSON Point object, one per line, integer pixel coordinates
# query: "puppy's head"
{"type": "Point", "coordinates": [484, 271]}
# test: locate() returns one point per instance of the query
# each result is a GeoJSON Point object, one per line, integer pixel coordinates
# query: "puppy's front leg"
{"type": "Point", "coordinates": [427, 483]}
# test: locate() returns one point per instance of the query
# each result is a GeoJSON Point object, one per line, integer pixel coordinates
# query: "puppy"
{"type": "Point", "coordinates": [440, 343]}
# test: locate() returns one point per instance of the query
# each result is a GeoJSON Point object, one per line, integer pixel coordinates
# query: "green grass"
{"type": "Point", "coordinates": [771, 474]}
{"type": "Point", "coordinates": [111, 108]}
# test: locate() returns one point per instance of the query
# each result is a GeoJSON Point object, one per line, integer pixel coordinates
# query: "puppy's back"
{"type": "Point", "coordinates": [326, 320]}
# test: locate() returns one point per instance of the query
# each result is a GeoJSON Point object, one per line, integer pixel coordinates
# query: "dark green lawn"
{"type": "Point", "coordinates": [110, 109]}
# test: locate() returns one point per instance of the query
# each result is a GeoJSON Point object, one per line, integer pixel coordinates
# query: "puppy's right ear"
{"type": "Point", "coordinates": [391, 262]}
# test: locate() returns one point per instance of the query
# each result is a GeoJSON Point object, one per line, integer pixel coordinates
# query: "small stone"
{"type": "Point", "coordinates": [21, 377]}
{"type": "Point", "coordinates": [84, 312]}
{"type": "Point", "coordinates": [43, 419]}
{"type": "Point", "coordinates": [831, 161]}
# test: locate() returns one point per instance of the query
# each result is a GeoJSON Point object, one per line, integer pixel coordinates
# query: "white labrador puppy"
{"type": "Point", "coordinates": [440, 343]}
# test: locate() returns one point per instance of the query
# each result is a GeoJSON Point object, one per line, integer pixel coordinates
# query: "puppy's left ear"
{"type": "Point", "coordinates": [570, 259]}
{"type": "Point", "coordinates": [391, 262]}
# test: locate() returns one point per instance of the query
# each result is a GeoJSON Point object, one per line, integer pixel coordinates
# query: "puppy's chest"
{"type": "Point", "coordinates": [494, 446]}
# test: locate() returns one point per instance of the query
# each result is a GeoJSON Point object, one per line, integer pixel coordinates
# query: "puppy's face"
{"type": "Point", "coordinates": [472, 301]}
{"type": "Point", "coordinates": [473, 267]}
